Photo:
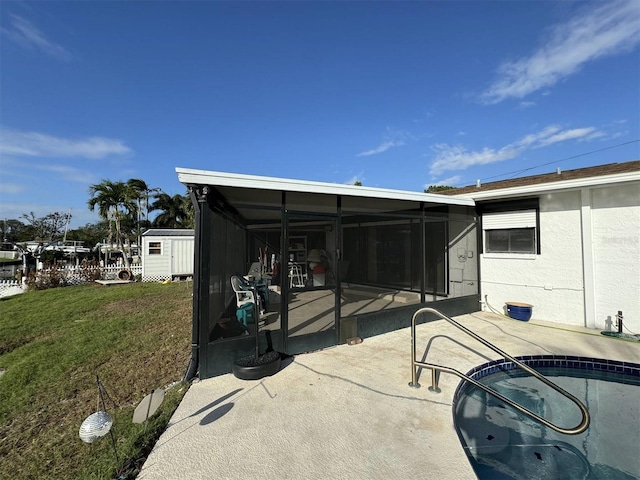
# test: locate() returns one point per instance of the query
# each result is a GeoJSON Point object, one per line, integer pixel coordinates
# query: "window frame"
{"type": "Point", "coordinates": [156, 245]}
{"type": "Point", "coordinates": [506, 207]}
{"type": "Point", "coordinates": [510, 247]}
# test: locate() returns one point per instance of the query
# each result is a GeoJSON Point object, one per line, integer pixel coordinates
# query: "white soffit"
{"type": "Point", "coordinates": [189, 176]}
{"type": "Point", "coordinates": [600, 181]}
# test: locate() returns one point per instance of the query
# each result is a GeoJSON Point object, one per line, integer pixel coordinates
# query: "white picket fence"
{"type": "Point", "coordinates": [77, 275]}
{"type": "Point", "coordinates": [11, 287]}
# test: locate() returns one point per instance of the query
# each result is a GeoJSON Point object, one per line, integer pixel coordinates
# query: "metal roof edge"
{"type": "Point", "coordinates": [573, 184]}
{"type": "Point", "coordinates": [150, 232]}
{"type": "Point", "coordinates": [206, 177]}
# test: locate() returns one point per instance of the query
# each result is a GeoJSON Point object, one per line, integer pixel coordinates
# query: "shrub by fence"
{"type": "Point", "coordinates": [54, 275]}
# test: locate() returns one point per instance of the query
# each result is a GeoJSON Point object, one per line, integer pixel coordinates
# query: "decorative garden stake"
{"type": "Point", "coordinates": [98, 424]}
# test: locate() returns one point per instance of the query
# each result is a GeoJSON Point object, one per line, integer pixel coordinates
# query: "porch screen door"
{"type": "Point", "coordinates": [312, 306]}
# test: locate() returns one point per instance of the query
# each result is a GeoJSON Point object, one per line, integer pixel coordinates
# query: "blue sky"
{"type": "Point", "coordinates": [394, 94]}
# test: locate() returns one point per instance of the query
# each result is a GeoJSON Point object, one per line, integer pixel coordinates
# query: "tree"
{"type": "Point", "coordinates": [14, 231]}
{"type": "Point", "coordinates": [190, 219]}
{"type": "Point", "coordinates": [174, 211]}
{"type": "Point", "coordinates": [437, 188]}
{"type": "Point", "coordinates": [91, 234]}
{"type": "Point", "coordinates": [50, 227]}
{"type": "Point", "coordinates": [141, 193]}
{"type": "Point", "coordinates": [357, 183]}
{"type": "Point", "coordinates": [115, 202]}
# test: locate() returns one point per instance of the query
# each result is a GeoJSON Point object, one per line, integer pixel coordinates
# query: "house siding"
{"type": "Point", "coordinates": [156, 265]}
{"type": "Point", "coordinates": [588, 266]}
{"type": "Point", "coordinates": [551, 281]}
{"type": "Point", "coordinates": [181, 256]}
{"type": "Point", "coordinates": [616, 252]}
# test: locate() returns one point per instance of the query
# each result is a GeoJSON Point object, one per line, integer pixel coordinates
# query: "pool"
{"type": "Point", "coordinates": [502, 443]}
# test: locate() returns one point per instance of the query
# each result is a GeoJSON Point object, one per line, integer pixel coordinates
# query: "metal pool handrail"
{"type": "Point", "coordinates": [436, 369]}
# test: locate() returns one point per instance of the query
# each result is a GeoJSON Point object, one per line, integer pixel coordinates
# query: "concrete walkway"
{"type": "Point", "coordinates": [347, 411]}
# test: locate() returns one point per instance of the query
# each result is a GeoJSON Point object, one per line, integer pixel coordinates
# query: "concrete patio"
{"type": "Point", "coordinates": [348, 412]}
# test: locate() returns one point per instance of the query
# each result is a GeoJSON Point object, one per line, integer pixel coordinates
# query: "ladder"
{"type": "Point", "coordinates": [436, 369]}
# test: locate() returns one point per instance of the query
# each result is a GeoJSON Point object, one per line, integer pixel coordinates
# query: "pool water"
{"type": "Point", "coordinates": [502, 443]}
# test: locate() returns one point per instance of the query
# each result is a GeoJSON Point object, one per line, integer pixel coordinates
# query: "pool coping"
{"type": "Point", "coordinates": [559, 361]}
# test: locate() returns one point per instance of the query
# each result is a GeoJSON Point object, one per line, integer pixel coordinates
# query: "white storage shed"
{"type": "Point", "coordinates": [167, 254]}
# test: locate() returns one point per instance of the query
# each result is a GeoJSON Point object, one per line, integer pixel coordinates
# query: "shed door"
{"type": "Point", "coordinates": [182, 256]}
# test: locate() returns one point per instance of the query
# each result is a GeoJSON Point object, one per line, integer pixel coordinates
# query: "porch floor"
{"type": "Point", "coordinates": [313, 310]}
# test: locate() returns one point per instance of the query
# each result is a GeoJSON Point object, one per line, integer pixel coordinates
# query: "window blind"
{"type": "Point", "coordinates": [506, 220]}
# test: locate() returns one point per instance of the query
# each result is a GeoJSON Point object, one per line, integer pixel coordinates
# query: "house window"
{"type": "Point", "coordinates": [155, 248]}
{"type": "Point", "coordinates": [514, 240]}
{"type": "Point", "coordinates": [512, 231]}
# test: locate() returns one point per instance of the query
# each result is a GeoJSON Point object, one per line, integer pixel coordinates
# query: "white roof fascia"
{"type": "Point", "coordinates": [189, 176]}
{"type": "Point", "coordinates": [524, 190]}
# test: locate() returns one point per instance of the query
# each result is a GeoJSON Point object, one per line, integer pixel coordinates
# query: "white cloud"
{"type": "Point", "coordinates": [356, 178]}
{"type": "Point", "coordinates": [526, 104]}
{"type": "Point", "coordinates": [569, 135]}
{"type": "Point", "coordinates": [383, 147]}
{"type": "Point", "coordinates": [70, 174]}
{"type": "Point", "coordinates": [33, 144]}
{"type": "Point", "coordinates": [457, 157]}
{"type": "Point", "coordinates": [12, 188]}
{"type": "Point", "coordinates": [607, 29]}
{"type": "Point", "coordinates": [393, 138]}
{"type": "Point", "coordinates": [618, 134]}
{"type": "Point", "coordinates": [450, 182]}
{"type": "Point", "coordinates": [535, 138]}
{"type": "Point", "coordinates": [27, 35]}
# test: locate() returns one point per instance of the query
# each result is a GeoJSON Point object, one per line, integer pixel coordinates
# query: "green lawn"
{"type": "Point", "coordinates": [53, 343]}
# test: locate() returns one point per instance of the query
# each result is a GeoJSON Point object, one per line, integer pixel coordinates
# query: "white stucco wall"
{"type": "Point", "coordinates": [600, 225]}
{"type": "Point", "coordinates": [552, 281]}
{"type": "Point", "coordinates": [615, 218]}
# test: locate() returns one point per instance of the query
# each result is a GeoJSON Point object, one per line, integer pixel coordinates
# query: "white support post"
{"type": "Point", "coordinates": [588, 274]}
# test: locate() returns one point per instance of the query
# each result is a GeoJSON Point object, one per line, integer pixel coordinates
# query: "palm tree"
{"type": "Point", "coordinates": [175, 212]}
{"type": "Point", "coordinates": [140, 192]}
{"type": "Point", "coordinates": [190, 212]}
{"type": "Point", "coordinates": [115, 202]}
